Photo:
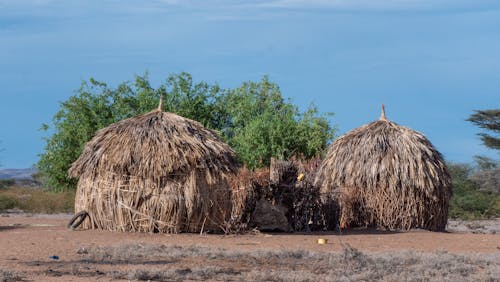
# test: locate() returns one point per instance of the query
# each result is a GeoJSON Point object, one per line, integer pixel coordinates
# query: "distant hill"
{"type": "Point", "coordinates": [14, 173]}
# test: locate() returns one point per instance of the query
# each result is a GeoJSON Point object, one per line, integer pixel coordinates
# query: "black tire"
{"type": "Point", "coordinates": [77, 220]}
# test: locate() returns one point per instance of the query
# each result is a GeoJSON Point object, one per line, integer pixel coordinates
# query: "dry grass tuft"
{"type": "Point", "coordinates": [201, 273]}
{"type": "Point", "coordinates": [247, 188]}
{"type": "Point", "coordinates": [36, 200]}
{"type": "Point", "coordinates": [10, 276]}
{"type": "Point", "coordinates": [174, 263]}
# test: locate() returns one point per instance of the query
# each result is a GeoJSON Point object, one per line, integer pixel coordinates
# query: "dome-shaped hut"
{"type": "Point", "coordinates": [386, 176]}
{"type": "Point", "coordinates": [157, 172]}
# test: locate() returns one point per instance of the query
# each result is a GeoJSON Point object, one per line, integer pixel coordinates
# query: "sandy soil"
{"type": "Point", "coordinates": [28, 241]}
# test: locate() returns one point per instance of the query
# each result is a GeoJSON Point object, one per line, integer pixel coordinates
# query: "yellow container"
{"type": "Point", "coordinates": [322, 241]}
{"type": "Point", "coordinates": [300, 177]}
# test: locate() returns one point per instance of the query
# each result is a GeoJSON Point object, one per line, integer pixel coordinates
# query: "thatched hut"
{"type": "Point", "coordinates": [158, 172]}
{"type": "Point", "coordinates": [387, 176]}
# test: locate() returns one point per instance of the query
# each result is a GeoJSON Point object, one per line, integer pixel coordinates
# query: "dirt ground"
{"type": "Point", "coordinates": [28, 243]}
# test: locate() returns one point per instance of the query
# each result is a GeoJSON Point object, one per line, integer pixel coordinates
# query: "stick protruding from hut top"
{"type": "Point", "coordinates": [382, 115]}
{"type": "Point", "coordinates": [160, 104]}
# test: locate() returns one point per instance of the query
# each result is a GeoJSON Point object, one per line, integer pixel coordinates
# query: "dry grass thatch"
{"type": "Point", "coordinates": [386, 176]}
{"type": "Point", "coordinates": [247, 188]}
{"type": "Point", "coordinates": [157, 172]}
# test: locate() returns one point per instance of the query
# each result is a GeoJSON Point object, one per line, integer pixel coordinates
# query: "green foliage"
{"type": "Point", "coordinates": [254, 119]}
{"type": "Point", "coordinates": [468, 202]}
{"type": "Point", "coordinates": [489, 120]}
{"type": "Point", "coordinates": [200, 101]}
{"type": "Point", "coordinates": [262, 125]}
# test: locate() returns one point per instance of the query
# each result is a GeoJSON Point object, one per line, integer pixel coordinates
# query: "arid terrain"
{"type": "Point", "coordinates": [41, 248]}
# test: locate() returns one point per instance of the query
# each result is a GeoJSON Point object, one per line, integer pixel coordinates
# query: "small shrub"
{"type": "Point", "coordinates": [7, 202]}
{"type": "Point", "coordinates": [4, 183]}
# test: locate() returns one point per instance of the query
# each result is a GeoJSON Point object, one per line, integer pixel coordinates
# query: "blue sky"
{"type": "Point", "coordinates": [432, 62]}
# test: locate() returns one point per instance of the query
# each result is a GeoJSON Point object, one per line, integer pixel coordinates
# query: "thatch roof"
{"type": "Point", "coordinates": [155, 172]}
{"type": "Point", "coordinates": [155, 145]}
{"type": "Point", "coordinates": [386, 175]}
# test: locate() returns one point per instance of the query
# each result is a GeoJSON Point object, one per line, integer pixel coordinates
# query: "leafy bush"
{"type": "Point", "coordinates": [261, 124]}
{"type": "Point", "coordinates": [468, 202]}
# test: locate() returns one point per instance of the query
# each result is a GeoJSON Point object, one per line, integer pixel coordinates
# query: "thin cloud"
{"type": "Point", "coordinates": [26, 3]}
{"type": "Point", "coordinates": [215, 7]}
{"type": "Point", "coordinates": [387, 5]}
{"type": "Point", "coordinates": [363, 4]}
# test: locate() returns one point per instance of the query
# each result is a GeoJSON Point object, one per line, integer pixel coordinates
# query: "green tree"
{"type": "Point", "coordinates": [262, 125]}
{"type": "Point", "coordinates": [254, 119]}
{"type": "Point", "coordinates": [489, 120]}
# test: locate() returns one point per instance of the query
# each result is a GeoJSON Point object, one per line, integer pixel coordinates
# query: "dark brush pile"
{"type": "Point", "coordinates": [287, 185]}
